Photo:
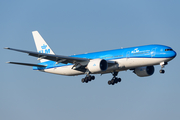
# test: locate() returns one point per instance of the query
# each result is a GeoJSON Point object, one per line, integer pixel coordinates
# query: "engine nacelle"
{"type": "Point", "coordinates": [97, 65]}
{"type": "Point", "coordinates": [144, 71]}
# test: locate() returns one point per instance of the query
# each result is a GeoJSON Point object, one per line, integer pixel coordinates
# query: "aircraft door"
{"type": "Point", "coordinates": [153, 52]}
{"type": "Point", "coordinates": [127, 55]}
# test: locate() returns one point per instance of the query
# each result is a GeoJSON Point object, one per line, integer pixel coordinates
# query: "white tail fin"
{"type": "Point", "coordinates": [41, 45]}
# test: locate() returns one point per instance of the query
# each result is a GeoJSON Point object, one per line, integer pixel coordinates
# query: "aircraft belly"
{"type": "Point", "coordinates": [138, 62]}
{"type": "Point", "coordinates": [123, 64]}
{"type": "Point", "coordinates": [65, 70]}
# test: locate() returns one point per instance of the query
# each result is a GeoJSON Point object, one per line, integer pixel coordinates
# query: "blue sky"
{"type": "Point", "coordinates": [73, 27]}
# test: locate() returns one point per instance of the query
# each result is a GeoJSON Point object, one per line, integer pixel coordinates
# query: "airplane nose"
{"type": "Point", "coordinates": [174, 54]}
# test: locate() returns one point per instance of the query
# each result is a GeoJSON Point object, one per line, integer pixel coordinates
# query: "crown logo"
{"type": "Point", "coordinates": [44, 46]}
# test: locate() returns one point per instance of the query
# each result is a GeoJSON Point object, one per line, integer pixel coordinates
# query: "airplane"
{"type": "Point", "coordinates": [140, 60]}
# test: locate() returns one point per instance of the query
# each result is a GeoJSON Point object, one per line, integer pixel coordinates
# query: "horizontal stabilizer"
{"type": "Point", "coordinates": [27, 64]}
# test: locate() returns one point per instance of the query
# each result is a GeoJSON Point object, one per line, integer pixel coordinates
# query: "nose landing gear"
{"type": "Point", "coordinates": [162, 71]}
{"type": "Point", "coordinates": [162, 66]}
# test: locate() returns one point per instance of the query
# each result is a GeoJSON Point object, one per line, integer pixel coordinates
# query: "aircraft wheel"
{"type": "Point", "coordinates": [162, 71]}
{"type": "Point", "coordinates": [113, 80]}
{"type": "Point", "coordinates": [82, 80]}
{"type": "Point", "coordinates": [92, 77]}
{"type": "Point", "coordinates": [119, 79]}
{"type": "Point", "coordinates": [109, 82]}
{"type": "Point", "coordinates": [89, 78]}
{"type": "Point", "coordinates": [86, 80]}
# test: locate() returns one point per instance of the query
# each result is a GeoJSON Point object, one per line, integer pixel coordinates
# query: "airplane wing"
{"type": "Point", "coordinates": [56, 58]}
{"type": "Point", "coordinates": [79, 63]}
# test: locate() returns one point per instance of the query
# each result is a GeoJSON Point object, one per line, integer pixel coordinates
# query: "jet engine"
{"type": "Point", "coordinates": [144, 71]}
{"type": "Point", "coordinates": [97, 65]}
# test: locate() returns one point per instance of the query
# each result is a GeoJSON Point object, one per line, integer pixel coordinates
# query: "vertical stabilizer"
{"type": "Point", "coordinates": [41, 45]}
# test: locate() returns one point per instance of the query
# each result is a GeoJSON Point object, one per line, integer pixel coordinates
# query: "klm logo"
{"type": "Point", "coordinates": [135, 50]}
{"type": "Point", "coordinates": [44, 46]}
{"type": "Point", "coordinates": [44, 50]}
{"type": "Point", "coordinates": [94, 65]}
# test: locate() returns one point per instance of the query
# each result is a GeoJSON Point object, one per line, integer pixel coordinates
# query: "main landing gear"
{"type": "Point", "coordinates": [87, 79]}
{"type": "Point", "coordinates": [162, 66]}
{"type": "Point", "coordinates": [115, 79]}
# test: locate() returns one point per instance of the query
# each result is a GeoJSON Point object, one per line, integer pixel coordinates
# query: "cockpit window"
{"type": "Point", "coordinates": [168, 49]}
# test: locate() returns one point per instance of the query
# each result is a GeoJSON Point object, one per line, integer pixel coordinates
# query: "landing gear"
{"type": "Point", "coordinates": [87, 79]}
{"type": "Point", "coordinates": [162, 66]}
{"type": "Point", "coordinates": [115, 79]}
{"type": "Point", "coordinates": [162, 71]}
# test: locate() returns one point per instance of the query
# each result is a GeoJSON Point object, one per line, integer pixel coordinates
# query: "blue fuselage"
{"type": "Point", "coordinates": [147, 51]}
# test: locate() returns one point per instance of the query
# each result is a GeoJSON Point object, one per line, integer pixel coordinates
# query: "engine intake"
{"type": "Point", "coordinates": [144, 71]}
{"type": "Point", "coordinates": [97, 65]}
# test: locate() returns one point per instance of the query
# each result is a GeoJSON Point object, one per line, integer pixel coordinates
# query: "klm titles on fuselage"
{"type": "Point", "coordinates": [44, 50]}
